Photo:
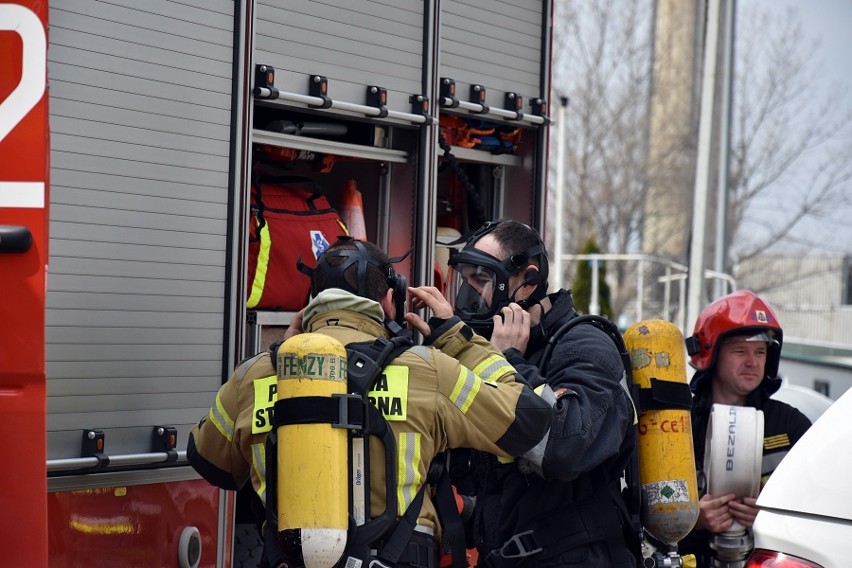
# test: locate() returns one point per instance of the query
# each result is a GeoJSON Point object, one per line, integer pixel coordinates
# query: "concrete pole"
{"type": "Point", "coordinates": [720, 263]}
{"type": "Point", "coordinates": [594, 300]}
{"type": "Point", "coordinates": [557, 275]}
{"type": "Point", "coordinates": [695, 293]}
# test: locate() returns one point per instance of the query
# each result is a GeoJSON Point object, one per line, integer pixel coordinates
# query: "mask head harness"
{"type": "Point", "coordinates": [335, 262]}
{"type": "Point", "coordinates": [479, 282]}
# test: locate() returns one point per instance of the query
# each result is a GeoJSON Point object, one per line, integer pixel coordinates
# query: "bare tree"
{"type": "Point", "coordinates": [790, 180]}
{"type": "Point", "coordinates": [791, 162]}
{"type": "Point", "coordinates": [602, 63]}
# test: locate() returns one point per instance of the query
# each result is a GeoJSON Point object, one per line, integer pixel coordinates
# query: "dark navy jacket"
{"type": "Point", "coordinates": [572, 512]}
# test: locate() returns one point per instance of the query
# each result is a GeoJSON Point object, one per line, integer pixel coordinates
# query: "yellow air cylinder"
{"type": "Point", "coordinates": [313, 490]}
{"type": "Point", "coordinates": [666, 459]}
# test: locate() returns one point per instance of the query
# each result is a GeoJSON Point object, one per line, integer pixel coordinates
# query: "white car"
{"type": "Point", "coordinates": [808, 401]}
{"type": "Point", "coordinates": [805, 518]}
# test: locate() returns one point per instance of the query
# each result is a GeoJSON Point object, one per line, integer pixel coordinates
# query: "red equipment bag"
{"type": "Point", "coordinates": [290, 218]}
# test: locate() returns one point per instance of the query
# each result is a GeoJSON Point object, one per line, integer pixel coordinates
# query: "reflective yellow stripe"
{"type": "Point", "coordinates": [221, 420]}
{"type": "Point", "coordinates": [408, 473]}
{"type": "Point", "coordinates": [494, 366]}
{"type": "Point", "coordinates": [259, 281]}
{"type": "Point", "coordinates": [465, 390]}
{"type": "Point", "coordinates": [778, 441]}
{"type": "Point", "coordinates": [88, 524]}
{"type": "Point", "coordinates": [343, 227]}
{"type": "Point", "coordinates": [258, 452]}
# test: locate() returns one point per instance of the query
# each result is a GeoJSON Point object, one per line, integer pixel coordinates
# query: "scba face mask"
{"type": "Point", "coordinates": [475, 289]}
{"type": "Point", "coordinates": [478, 289]}
{"type": "Point", "coordinates": [361, 258]}
{"type": "Point", "coordinates": [479, 282]}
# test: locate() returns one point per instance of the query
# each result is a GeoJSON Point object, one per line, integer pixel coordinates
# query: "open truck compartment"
{"type": "Point", "coordinates": [160, 114]}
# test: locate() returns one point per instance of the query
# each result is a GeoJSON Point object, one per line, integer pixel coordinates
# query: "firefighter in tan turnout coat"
{"type": "Point", "coordinates": [454, 391]}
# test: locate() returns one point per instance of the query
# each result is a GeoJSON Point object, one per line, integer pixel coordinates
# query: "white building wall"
{"type": "Point", "coordinates": [810, 295]}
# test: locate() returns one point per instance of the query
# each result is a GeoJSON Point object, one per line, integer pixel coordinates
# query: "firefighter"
{"type": "Point", "coordinates": [570, 512]}
{"type": "Point", "coordinates": [736, 349]}
{"type": "Point", "coordinates": [456, 390]}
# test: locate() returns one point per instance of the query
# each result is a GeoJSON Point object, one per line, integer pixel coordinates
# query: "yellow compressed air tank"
{"type": "Point", "coordinates": [666, 459]}
{"type": "Point", "coordinates": [313, 488]}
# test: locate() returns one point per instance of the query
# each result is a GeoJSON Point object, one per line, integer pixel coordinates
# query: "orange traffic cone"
{"type": "Point", "coordinates": [352, 210]}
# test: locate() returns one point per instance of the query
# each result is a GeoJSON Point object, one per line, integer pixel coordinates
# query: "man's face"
{"type": "Point", "coordinates": [482, 280]}
{"type": "Point", "coordinates": [740, 366]}
{"type": "Point", "coordinates": [488, 244]}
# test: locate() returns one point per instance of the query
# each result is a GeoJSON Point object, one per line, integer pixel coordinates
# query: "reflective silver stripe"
{"type": "Point", "coordinates": [246, 365]}
{"type": "Point", "coordinates": [466, 388]}
{"type": "Point", "coordinates": [409, 474]}
{"type": "Point", "coordinates": [626, 388]}
{"type": "Point", "coordinates": [492, 367]}
{"type": "Point", "coordinates": [533, 459]}
{"type": "Point", "coordinates": [424, 529]}
{"type": "Point", "coordinates": [546, 393]}
{"type": "Point", "coordinates": [421, 351]}
{"type": "Point", "coordinates": [258, 453]}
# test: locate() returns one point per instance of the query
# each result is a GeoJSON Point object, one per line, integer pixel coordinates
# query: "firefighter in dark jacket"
{"type": "Point", "coordinates": [570, 511]}
{"type": "Point", "coordinates": [736, 350]}
{"type": "Point", "coordinates": [457, 392]}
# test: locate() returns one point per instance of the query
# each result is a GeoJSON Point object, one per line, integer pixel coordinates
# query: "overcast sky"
{"type": "Point", "coordinates": [829, 21]}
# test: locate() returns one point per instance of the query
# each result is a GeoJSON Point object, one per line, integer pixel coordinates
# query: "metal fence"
{"type": "Point", "coordinates": [644, 286]}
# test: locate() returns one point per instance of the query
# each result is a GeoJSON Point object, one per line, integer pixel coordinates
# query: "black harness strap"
{"type": "Point", "coordinates": [339, 410]}
{"type": "Point", "coordinates": [376, 527]}
{"type": "Point", "coordinates": [601, 323]}
{"type": "Point", "coordinates": [664, 395]}
{"type": "Point", "coordinates": [395, 545]}
{"type": "Point", "coordinates": [391, 536]}
{"type": "Point", "coordinates": [366, 361]}
{"type": "Point", "coordinates": [448, 511]}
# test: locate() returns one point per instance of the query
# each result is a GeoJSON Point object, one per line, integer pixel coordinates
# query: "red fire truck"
{"type": "Point", "coordinates": [129, 132]}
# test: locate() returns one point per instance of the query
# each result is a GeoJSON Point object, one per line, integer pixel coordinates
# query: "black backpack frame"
{"type": "Point", "coordinates": [365, 363]}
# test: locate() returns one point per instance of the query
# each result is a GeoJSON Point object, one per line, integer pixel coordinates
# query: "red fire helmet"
{"type": "Point", "coordinates": [738, 313]}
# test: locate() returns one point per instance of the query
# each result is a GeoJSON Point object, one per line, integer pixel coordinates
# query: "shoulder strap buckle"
{"type": "Point", "coordinates": [365, 361]}
{"type": "Point", "coordinates": [520, 545]}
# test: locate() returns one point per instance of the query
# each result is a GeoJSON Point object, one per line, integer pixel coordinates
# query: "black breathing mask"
{"type": "Point", "coordinates": [478, 284]}
{"type": "Point", "coordinates": [334, 273]}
